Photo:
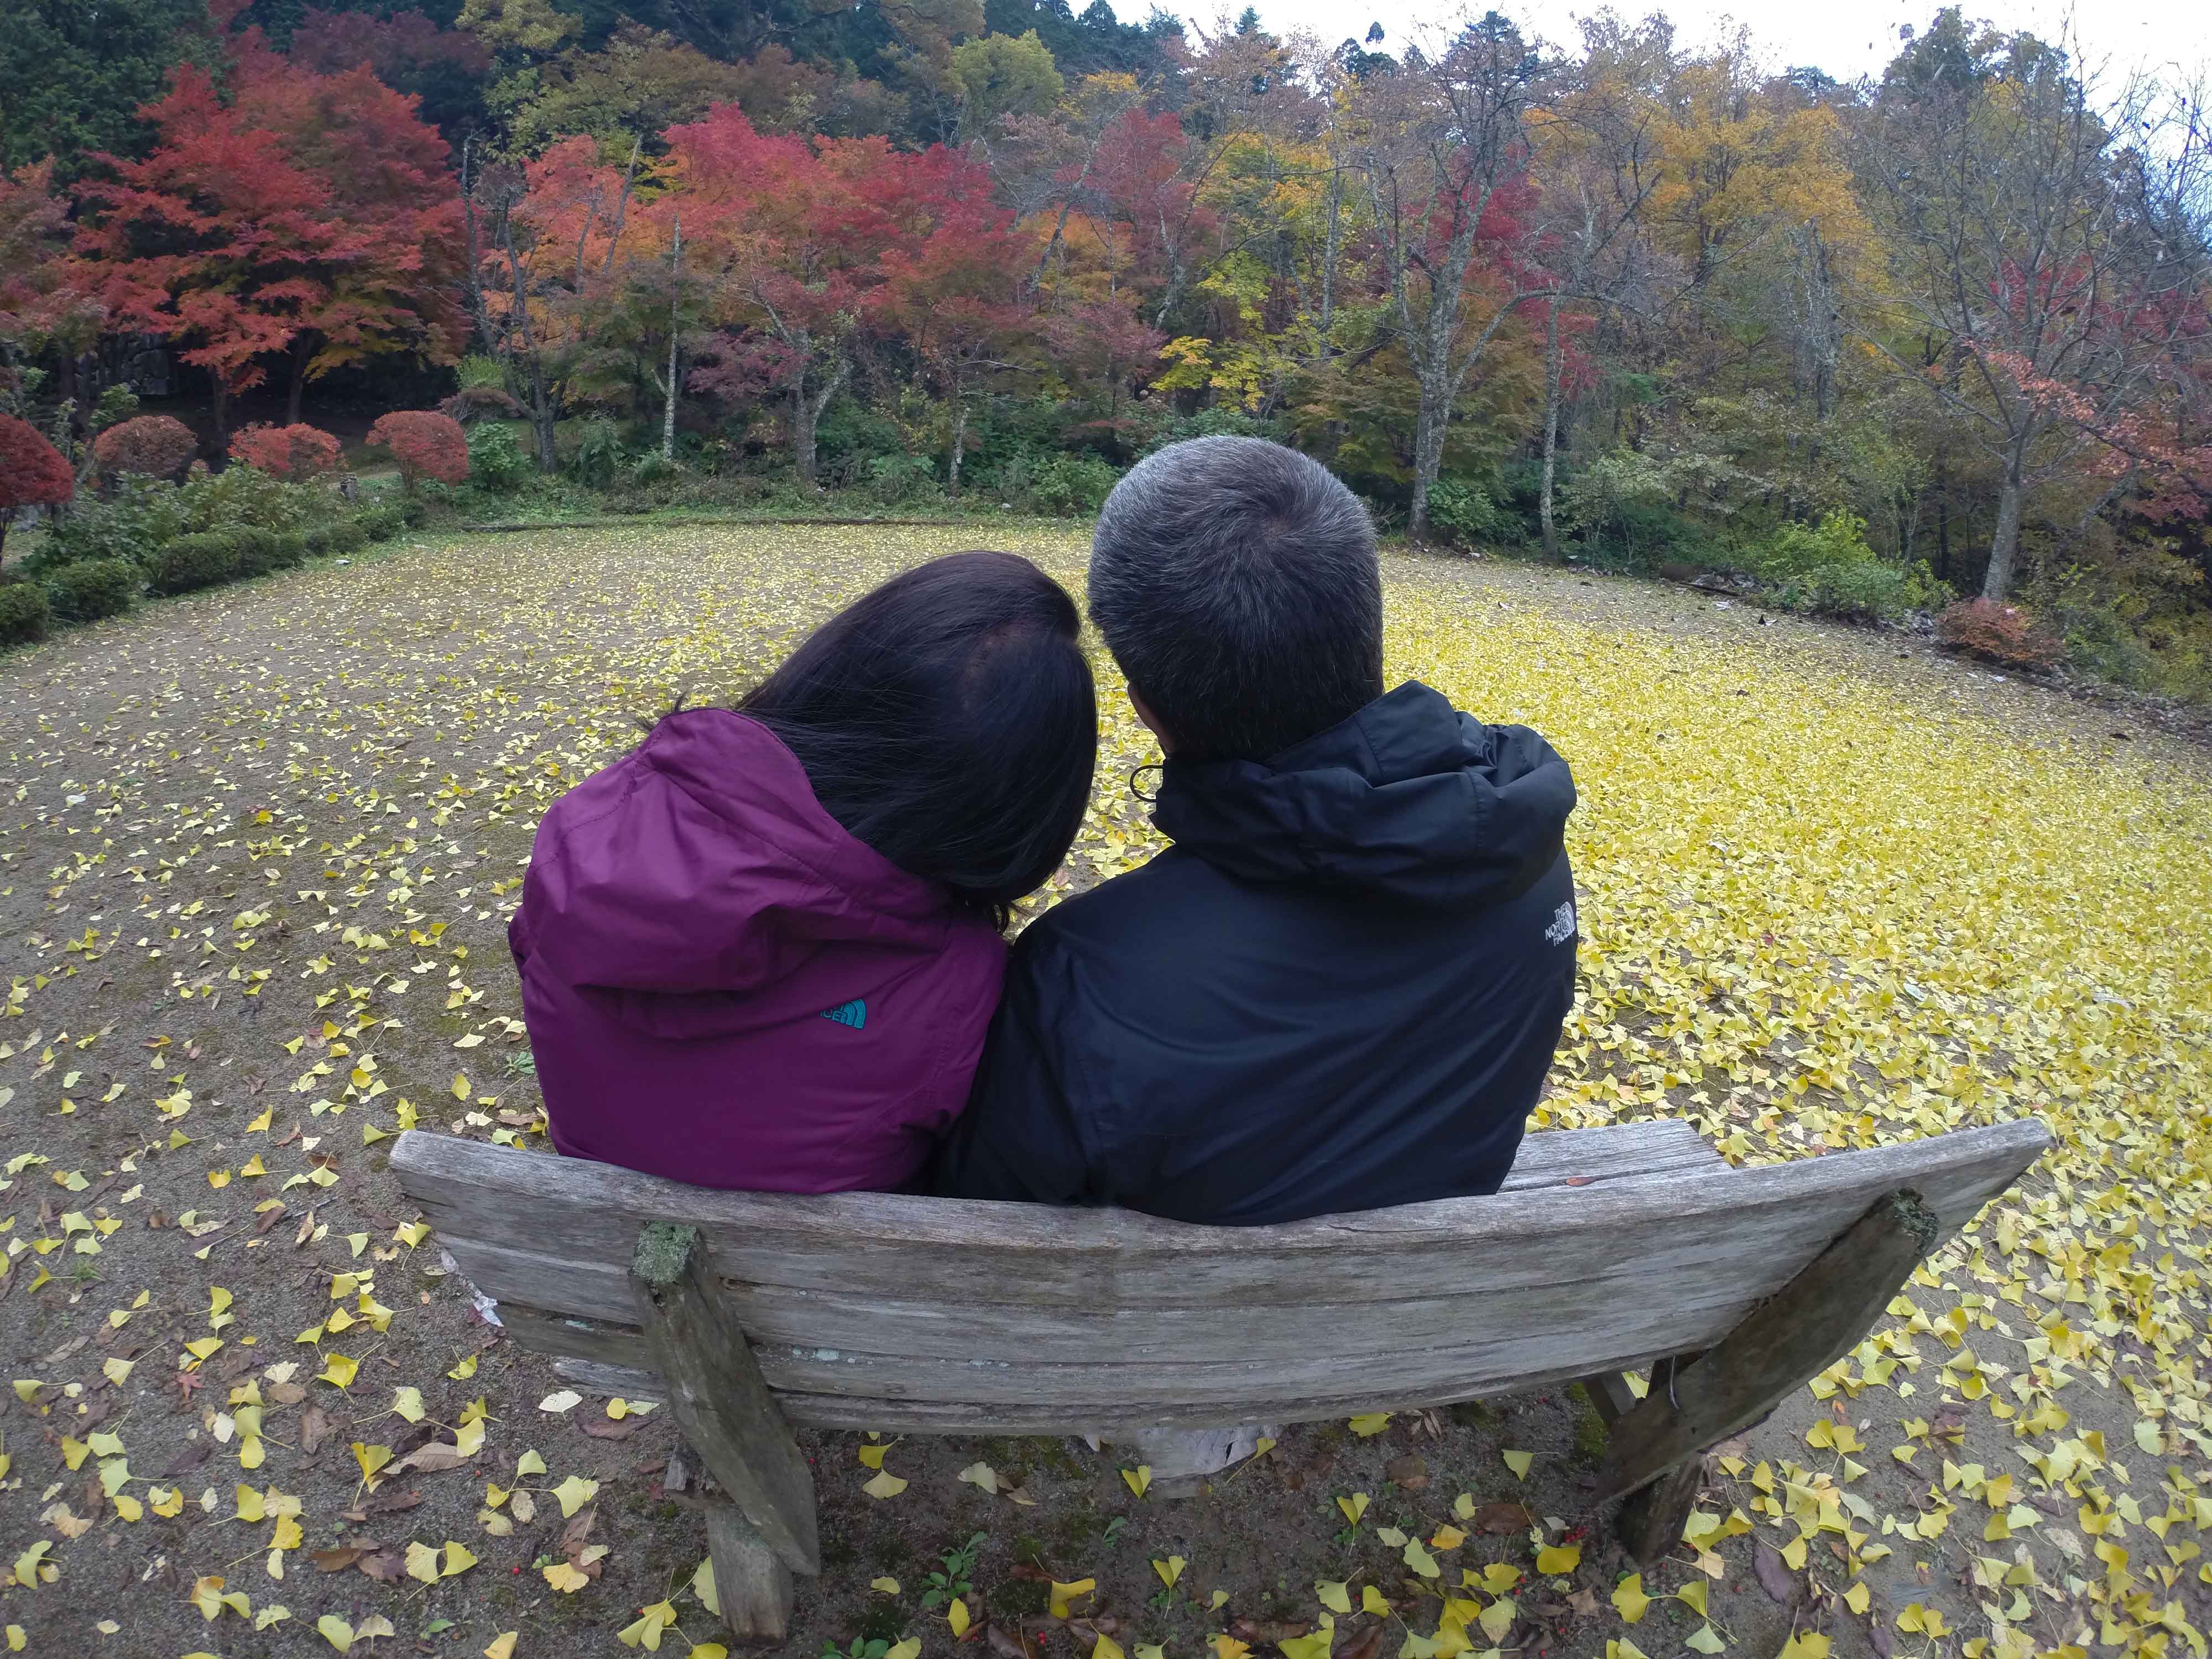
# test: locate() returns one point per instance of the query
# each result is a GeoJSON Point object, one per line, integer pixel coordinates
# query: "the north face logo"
{"type": "Point", "coordinates": [1563, 924]}
{"type": "Point", "coordinates": [854, 1014]}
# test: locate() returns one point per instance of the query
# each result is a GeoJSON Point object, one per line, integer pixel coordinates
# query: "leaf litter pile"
{"type": "Point", "coordinates": [257, 853]}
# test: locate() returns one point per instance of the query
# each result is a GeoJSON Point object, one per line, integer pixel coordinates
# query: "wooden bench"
{"type": "Point", "coordinates": [1609, 1249]}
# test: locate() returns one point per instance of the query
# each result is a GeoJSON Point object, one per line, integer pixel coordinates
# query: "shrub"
{"type": "Point", "coordinates": [2001, 634]}
{"type": "Point", "coordinates": [23, 612]}
{"type": "Point", "coordinates": [199, 560]}
{"type": "Point", "coordinates": [256, 551]}
{"type": "Point", "coordinates": [341, 535]}
{"type": "Point", "coordinates": [247, 495]}
{"type": "Point", "coordinates": [598, 454]}
{"type": "Point", "coordinates": [496, 460]}
{"type": "Point", "coordinates": [652, 467]}
{"type": "Point", "coordinates": [896, 478]}
{"type": "Point", "coordinates": [134, 522]}
{"type": "Point", "coordinates": [380, 524]}
{"type": "Point", "coordinates": [92, 588]}
{"type": "Point", "coordinates": [424, 444]}
{"type": "Point", "coordinates": [286, 451]}
{"type": "Point", "coordinates": [31, 473]}
{"type": "Point", "coordinates": [1066, 485]}
{"type": "Point", "coordinates": [150, 445]}
{"type": "Point", "coordinates": [1463, 515]}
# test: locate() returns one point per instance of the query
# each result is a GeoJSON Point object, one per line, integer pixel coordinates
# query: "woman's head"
{"type": "Point", "coordinates": [947, 720]}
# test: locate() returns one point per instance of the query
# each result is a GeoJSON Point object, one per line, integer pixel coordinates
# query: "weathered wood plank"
{"type": "Point", "coordinates": [961, 1254]}
{"type": "Point", "coordinates": [875, 1243]}
{"type": "Point", "coordinates": [1644, 1279]}
{"type": "Point", "coordinates": [1819, 1315]}
{"type": "Point", "coordinates": [840, 1329]}
{"type": "Point", "coordinates": [715, 1394]}
{"type": "Point", "coordinates": [752, 1586]}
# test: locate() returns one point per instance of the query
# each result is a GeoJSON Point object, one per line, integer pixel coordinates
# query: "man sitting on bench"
{"type": "Point", "coordinates": [1342, 986]}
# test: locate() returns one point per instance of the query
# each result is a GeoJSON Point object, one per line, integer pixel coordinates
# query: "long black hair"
{"type": "Point", "coordinates": [948, 720]}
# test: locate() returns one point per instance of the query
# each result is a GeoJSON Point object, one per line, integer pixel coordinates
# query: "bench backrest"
{"type": "Point", "coordinates": [1609, 1248]}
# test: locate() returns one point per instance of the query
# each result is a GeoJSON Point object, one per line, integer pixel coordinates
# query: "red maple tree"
{"type": "Point", "coordinates": [286, 451]}
{"type": "Point", "coordinates": [312, 216]}
{"type": "Point", "coordinates": [424, 443]}
{"type": "Point", "coordinates": [32, 472]}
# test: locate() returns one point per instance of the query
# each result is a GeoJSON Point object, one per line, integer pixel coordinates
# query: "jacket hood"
{"type": "Point", "coordinates": [702, 862]}
{"type": "Point", "coordinates": [1409, 799]}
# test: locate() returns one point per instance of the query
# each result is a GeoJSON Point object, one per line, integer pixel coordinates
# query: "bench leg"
{"type": "Point", "coordinates": [1806, 1327]}
{"type": "Point", "coordinates": [718, 1397]}
{"type": "Point", "coordinates": [1650, 1522]}
{"type": "Point", "coordinates": [750, 1582]}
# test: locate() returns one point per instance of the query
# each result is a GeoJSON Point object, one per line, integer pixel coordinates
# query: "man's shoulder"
{"type": "Point", "coordinates": [1139, 900]}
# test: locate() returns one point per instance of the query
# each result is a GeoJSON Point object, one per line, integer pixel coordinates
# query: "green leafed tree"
{"type": "Point", "coordinates": [1003, 74]}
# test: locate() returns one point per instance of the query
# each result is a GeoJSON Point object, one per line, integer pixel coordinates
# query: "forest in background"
{"type": "Point", "coordinates": [1872, 345]}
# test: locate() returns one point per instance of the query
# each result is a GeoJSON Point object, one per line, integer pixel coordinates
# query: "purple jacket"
{"type": "Point", "coordinates": [724, 987]}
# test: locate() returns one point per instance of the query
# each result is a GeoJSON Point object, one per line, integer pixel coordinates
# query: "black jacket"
{"type": "Point", "coordinates": [1340, 990]}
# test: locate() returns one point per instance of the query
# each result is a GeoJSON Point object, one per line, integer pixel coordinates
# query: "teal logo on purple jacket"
{"type": "Point", "coordinates": [854, 1014]}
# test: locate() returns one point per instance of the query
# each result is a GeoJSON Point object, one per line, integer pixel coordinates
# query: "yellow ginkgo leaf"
{"type": "Point", "coordinates": [459, 1559]}
{"type": "Point", "coordinates": [1556, 1559]}
{"type": "Point", "coordinates": [1063, 1596]}
{"type": "Point", "coordinates": [1353, 1507]}
{"type": "Point", "coordinates": [884, 1485]}
{"type": "Point", "coordinates": [1138, 1478]}
{"type": "Point", "coordinates": [339, 1370]}
{"type": "Point", "coordinates": [1371, 1601]}
{"type": "Point", "coordinates": [1629, 1599]}
{"type": "Point", "coordinates": [573, 1492]}
{"type": "Point", "coordinates": [565, 1578]}
{"type": "Point", "coordinates": [956, 1615]}
{"type": "Point", "coordinates": [1519, 1461]}
{"type": "Point", "coordinates": [1170, 1570]}
{"type": "Point", "coordinates": [422, 1563]}
{"type": "Point", "coordinates": [888, 1586]}
{"type": "Point", "coordinates": [1333, 1594]}
{"type": "Point", "coordinates": [1226, 1646]}
{"type": "Point", "coordinates": [502, 1645]}
{"type": "Point", "coordinates": [1372, 1424]}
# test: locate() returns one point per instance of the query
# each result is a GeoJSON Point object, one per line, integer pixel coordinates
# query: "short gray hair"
{"type": "Point", "coordinates": [1237, 584]}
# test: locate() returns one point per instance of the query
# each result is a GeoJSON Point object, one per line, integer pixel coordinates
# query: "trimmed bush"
{"type": "Point", "coordinates": [2001, 634]}
{"type": "Point", "coordinates": [23, 612]}
{"type": "Point", "coordinates": [344, 535]}
{"type": "Point", "coordinates": [286, 451]}
{"type": "Point", "coordinates": [199, 560]}
{"type": "Point", "coordinates": [425, 444]}
{"type": "Point", "coordinates": [150, 445]}
{"type": "Point", "coordinates": [94, 588]}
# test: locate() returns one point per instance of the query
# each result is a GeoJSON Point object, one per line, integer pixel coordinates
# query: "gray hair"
{"type": "Point", "coordinates": [1237, 584]}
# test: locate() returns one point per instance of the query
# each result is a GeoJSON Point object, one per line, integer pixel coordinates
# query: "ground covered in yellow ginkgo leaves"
{"type": "Point", "coordinates": [256, 852]}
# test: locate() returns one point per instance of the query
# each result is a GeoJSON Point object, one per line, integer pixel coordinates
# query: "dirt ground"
{"type": "Point", "coordinates": [256, 852]}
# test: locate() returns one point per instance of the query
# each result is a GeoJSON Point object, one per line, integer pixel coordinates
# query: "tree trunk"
{"type": "Point", "coordinates": [1428, 450]}
{"type": "Point", "coordinates": [802, 432]}
{"type": "Point", "coordinates": [7, 518]}
{"type": "Point", "coordinates": [541, 417]}
{"type": "Point", "coordinates": [221, 415]}
{"type": "Point", "coordinates": [2004, 541]}
{"type": "Point", "coordinates": [302, 349]}
{"type": "Point", "coordinates": [959, 443]}
{"type": "Point", "coordinates": [675, 296]}
{"type": "Point", "coordinates": [1553, 367]}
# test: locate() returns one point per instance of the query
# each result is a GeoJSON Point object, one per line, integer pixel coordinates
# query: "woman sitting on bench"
{"type": "Point", "coordinates": [762, 952]}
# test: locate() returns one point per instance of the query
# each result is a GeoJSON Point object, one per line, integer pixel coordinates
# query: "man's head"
{"type": "Point", "coordinates": [1236, 583]}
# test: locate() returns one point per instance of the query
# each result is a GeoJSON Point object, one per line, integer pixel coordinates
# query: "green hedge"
{"type": "Point", "coordinates": [94, 588]}
{"type": "Point", "coordinates": [381, 523]}
{"type": "Point", "coordinates": [200, 560]}
{"type": "Point", "coordinates": [23, 612]}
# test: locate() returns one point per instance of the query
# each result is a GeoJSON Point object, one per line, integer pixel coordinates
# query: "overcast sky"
{"type": "Point", "coordinates": [1846, 38]}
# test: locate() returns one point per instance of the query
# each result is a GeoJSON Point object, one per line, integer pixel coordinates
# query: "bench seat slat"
{"type": "Point", "coordinates": [885, 1245]}
{"type": "Point", "coordinates": [926, 1309]}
